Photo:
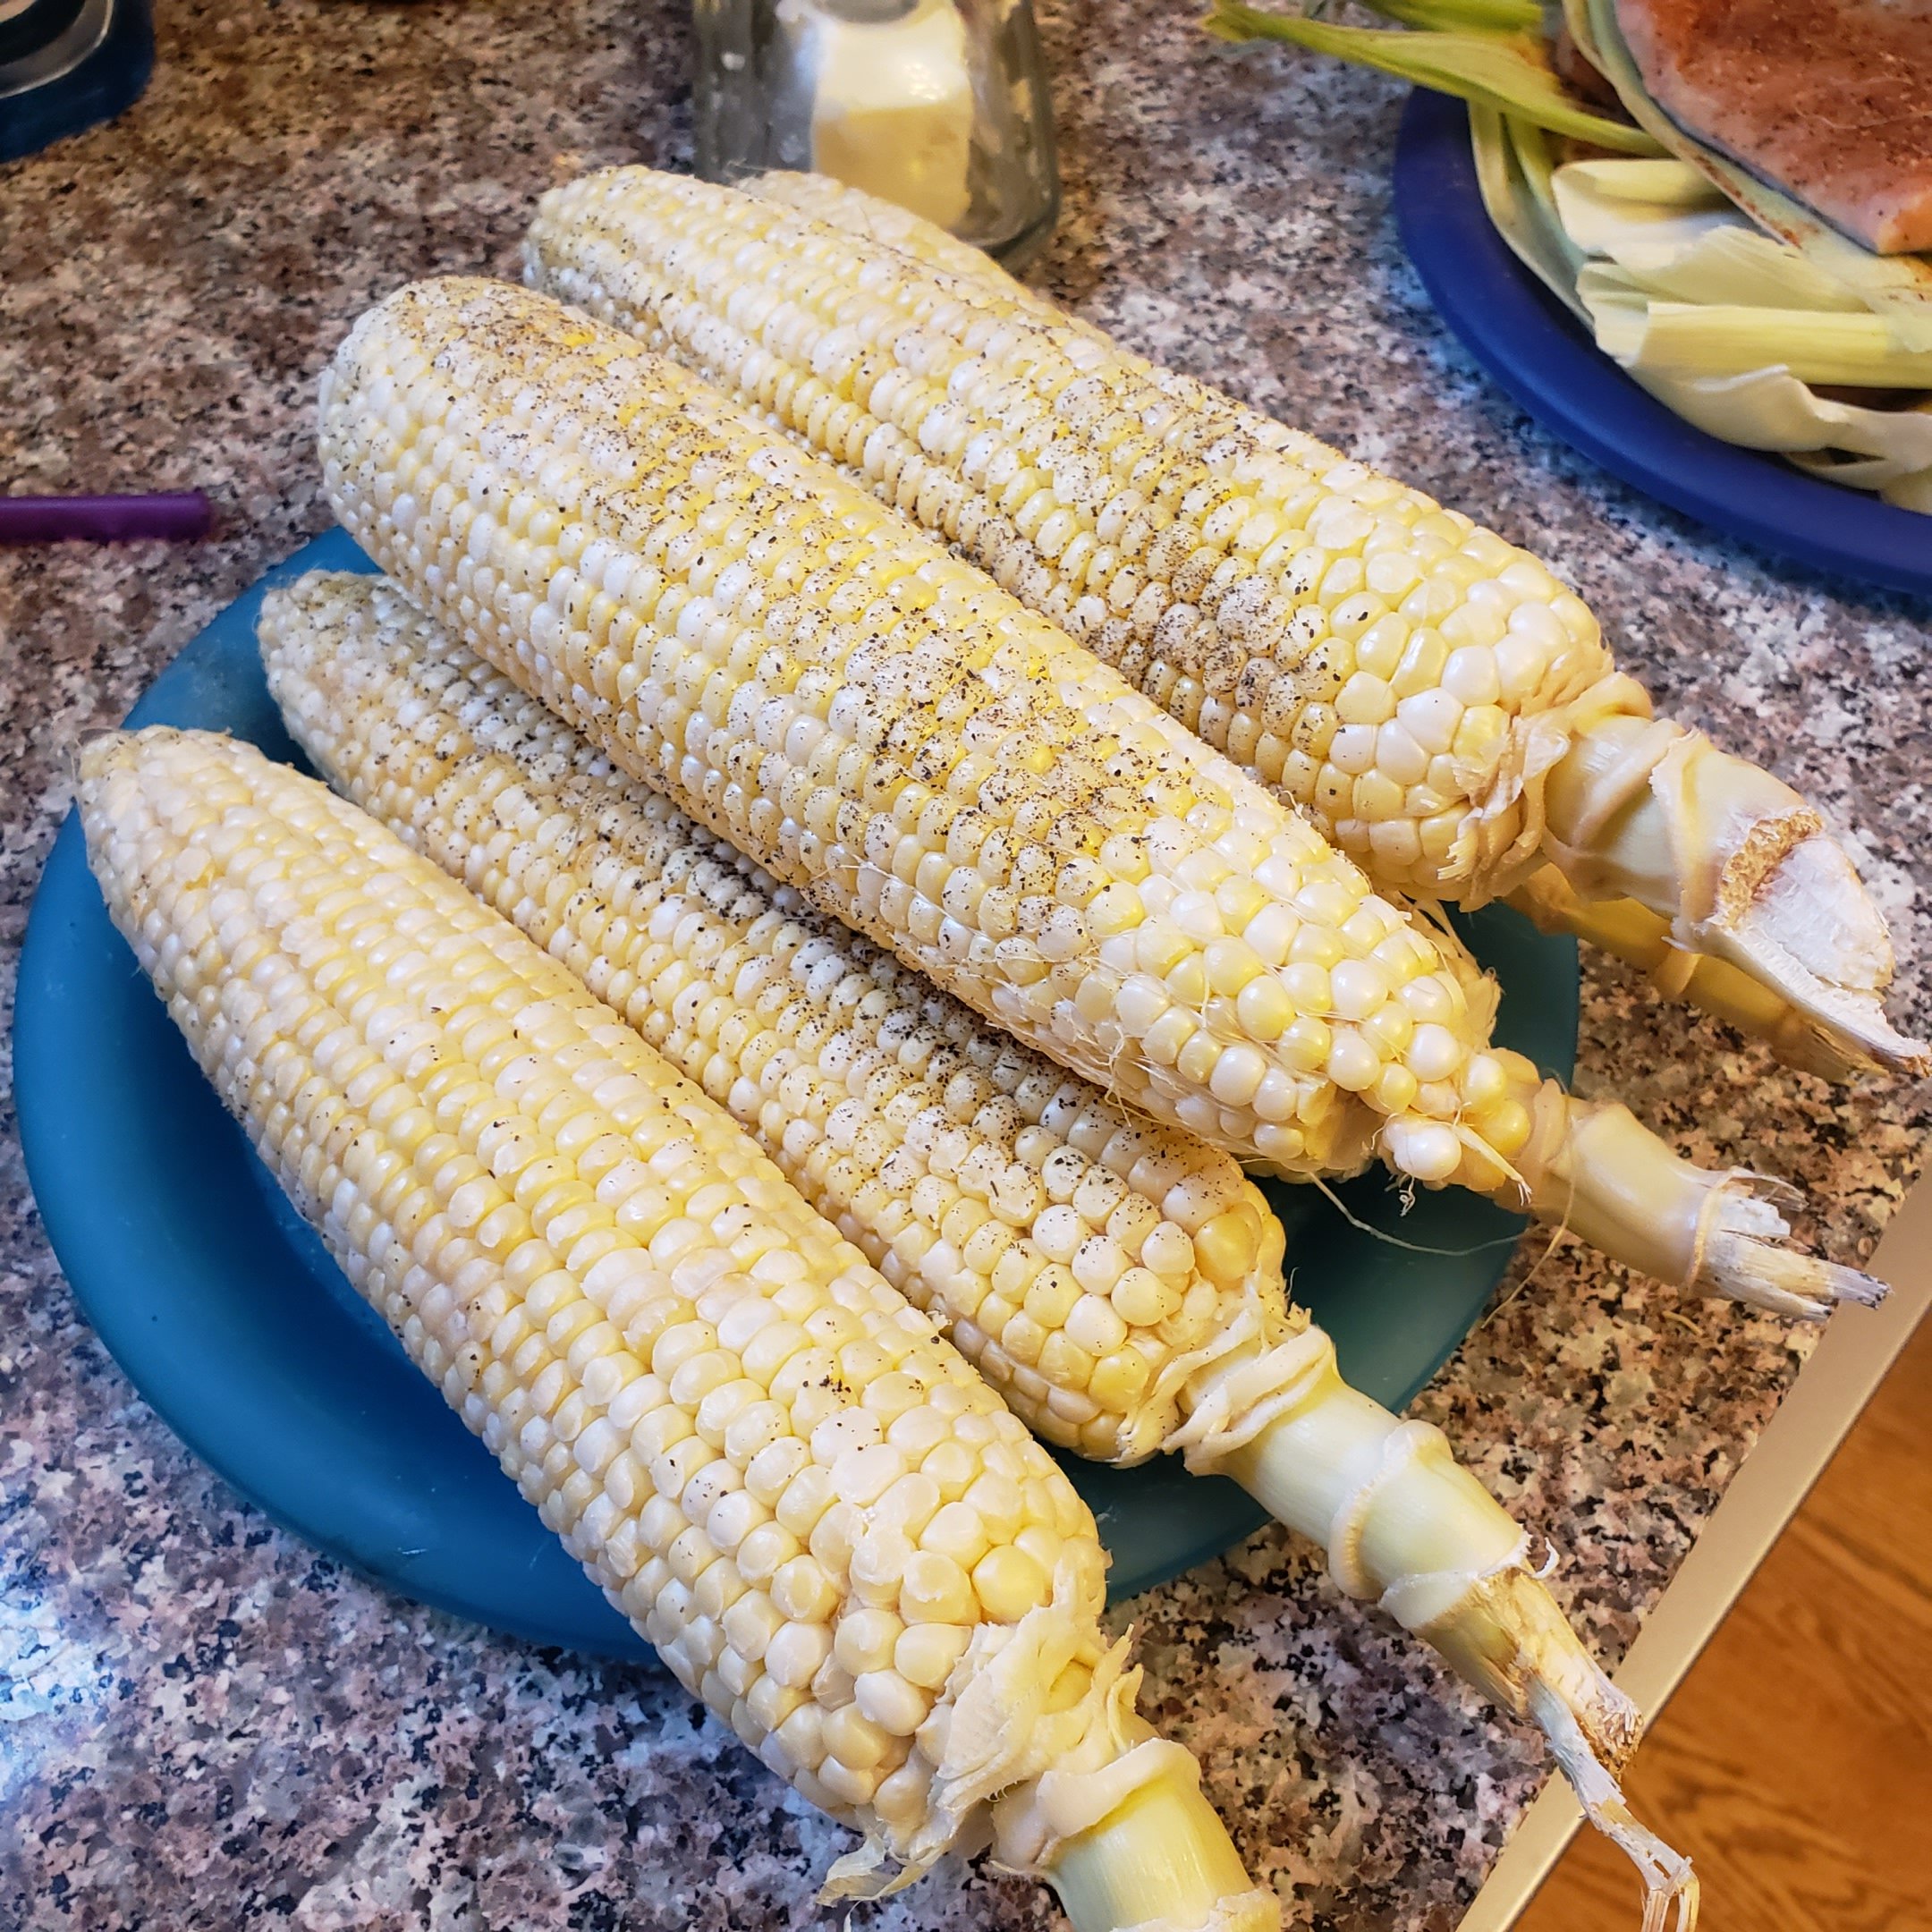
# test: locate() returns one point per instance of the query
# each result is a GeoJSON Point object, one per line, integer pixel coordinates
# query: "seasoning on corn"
{"type": "Point", "coordinates": [1119, 1283]}
{"type": "Point", "coordinates": [881, 728]}
{"type": "Point", "coordinates": [841, 205]}
{"type": "Point", "coordinates": [1432, 695]}
{"type": "Point", "coordinates": [829, 1527]}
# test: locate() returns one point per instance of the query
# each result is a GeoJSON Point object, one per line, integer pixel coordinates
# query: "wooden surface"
{"type": "Point", "coordinates": [1794, 1766]}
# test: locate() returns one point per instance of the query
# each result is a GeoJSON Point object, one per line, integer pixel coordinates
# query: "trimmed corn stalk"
{"type": "Point", "coordinates": [826, 1523]}
{"type": "Point", "coordinates": [1641, 938]}
{"type": "Point", "coordinates": [1119, 1283]}
{"type": "Point", "coordinates": [918, 756]}
{"type": "Point", "coordinates": [1445, 710]}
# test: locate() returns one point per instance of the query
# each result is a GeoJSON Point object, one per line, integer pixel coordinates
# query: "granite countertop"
{"type": "Point", "coordinates": [202, 1723]}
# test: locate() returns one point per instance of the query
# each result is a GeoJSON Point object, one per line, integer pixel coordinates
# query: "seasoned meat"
{"type": "Point", "coordinates": [1830, 100]}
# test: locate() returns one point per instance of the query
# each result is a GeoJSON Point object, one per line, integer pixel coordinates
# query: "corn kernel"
{"type": "Point", "coordinates": [1008, 1583]}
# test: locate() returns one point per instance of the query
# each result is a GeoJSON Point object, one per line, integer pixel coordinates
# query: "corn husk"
{"type": "Point", "coordinates": [1702, 337]}
{"type": "Point", "coordinates": [1668, 229]}
{"type": "Point", "coordinates": [1725, 325]}
{"type": "Point", "coordinates": [1504, 70]}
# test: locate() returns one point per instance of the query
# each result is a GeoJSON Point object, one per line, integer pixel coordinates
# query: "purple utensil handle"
{"type": "Point", "coordinates": [178, 516]}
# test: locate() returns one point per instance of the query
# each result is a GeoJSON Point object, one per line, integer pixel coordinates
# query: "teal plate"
{"type": "Point", "coordinates": [233, 1322]}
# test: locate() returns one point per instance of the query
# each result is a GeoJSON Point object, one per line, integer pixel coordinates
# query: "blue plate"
{"type": "Point", "coordinates": [1538, 353]}
{"type": "Point", "coordinates": [231, 1319]}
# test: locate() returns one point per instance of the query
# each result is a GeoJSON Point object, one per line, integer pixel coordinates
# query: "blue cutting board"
{"type": "Point", "coordinates": [1541, 356]}
{"type": "Point", "coordinates": [233, 1322]}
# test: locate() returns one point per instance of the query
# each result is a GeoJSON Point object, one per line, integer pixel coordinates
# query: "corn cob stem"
{"type": "Point", "coordinates": [1406, 1526]}
{"type": "Point", "coordinates": [1479, 1605]}
{"type": "Point", "coordinates": [725, 1414]}
{"type": "Point", "coordinates": [481, 779]}
{"type": "Point", "coordinates": [1150, 1863]}
{"type": "Point", "coordinates": [1432, 695]}
{"type": "Point", "coordinates": [1404, 1522]}
{"type": "Point", "coordinates": [1642, 939]}
{"type": "Point", "coordinates": [1590, 1167]}
{"type": "Point", "coordinates": [1667, 1877]}
{"type": "Point", "coordinates": [1737, 863]}
{"type": "Point", "coordinates": [1594, 1168]}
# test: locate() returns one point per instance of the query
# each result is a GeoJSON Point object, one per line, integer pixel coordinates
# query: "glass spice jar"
{"type": "Point", "coordinates": [940, 105]}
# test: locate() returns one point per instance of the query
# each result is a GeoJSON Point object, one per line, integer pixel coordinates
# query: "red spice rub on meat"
{"type": "Point", "coordinates": [1830, 100]}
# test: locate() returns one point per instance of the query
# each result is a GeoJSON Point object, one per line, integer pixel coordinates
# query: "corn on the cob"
{"type": "Point", "coordinates": [885, 731]}
{"type": "Point", "coordinates": [1633, 932]}
{"type": "Point", "coordinates": [830, 1527]}
{"type": "Point", "coordinates": [1120, 1285]}
{"type": "Point", "coordinates": [882, 729]}
{"type": "Point", "coordinates": [1445, 710]}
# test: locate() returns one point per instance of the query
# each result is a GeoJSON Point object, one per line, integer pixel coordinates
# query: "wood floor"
{"type": "Point", "coordinates": [1794, 1765]}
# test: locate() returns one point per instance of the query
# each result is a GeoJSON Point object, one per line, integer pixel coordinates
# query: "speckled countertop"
{"type": "Point", "coordinates": [202, 1725]}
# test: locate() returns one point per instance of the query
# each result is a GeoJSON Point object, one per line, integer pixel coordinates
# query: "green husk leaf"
{"type": "Point", "coordinates": [1509, 201]}
{"type": "Point", "coordinates": [1506, 72]}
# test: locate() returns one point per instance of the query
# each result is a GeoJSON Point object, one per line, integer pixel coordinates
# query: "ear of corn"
{"type": "Point", "coordinates": [727, 1416]}
{"type": "Point", "coordinates": [882, 729]}
{"type": "Point", "coordinates": [1091, 1266]}
{"type": "Point", "coordinates": [1633, 932]}
{"type": "Point", "coordinates": [1431, 694]}
{"type": "Point", "coordinates": [901, 1116]}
